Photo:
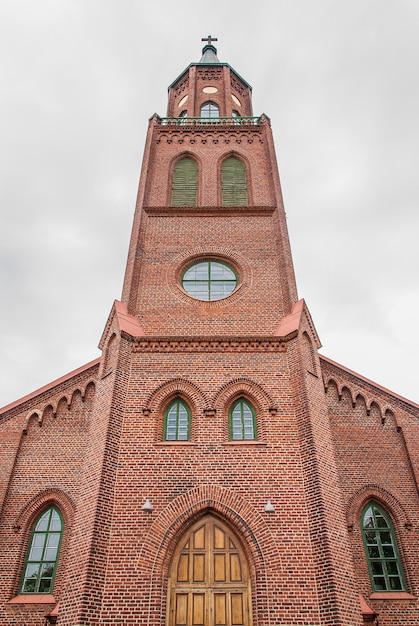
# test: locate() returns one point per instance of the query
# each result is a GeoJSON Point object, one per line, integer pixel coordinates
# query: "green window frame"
{"type": "Point", "coordinates": [383, 558]}
{"type": "Point", "coordinates": [43, 553]}
{"type": "Point", "coordinates": [233, 182]}
{"type": "Point", "coordinates": [177, 421]}
{"type": "Point", "coordinates": [242, 421]}
{"type": "Point", "coordinates": [209, 280]}
{"type": "Point", "coordinates": [209, 110]}
{"type": "Point", "coordinates": [185, 183]}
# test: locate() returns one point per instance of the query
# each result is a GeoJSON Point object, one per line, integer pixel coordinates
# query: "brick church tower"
{"type": "Point", "coordinates": [196, 477]}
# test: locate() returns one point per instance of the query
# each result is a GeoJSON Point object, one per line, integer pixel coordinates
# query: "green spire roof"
{"type": "Point", "coordinates": [209, 54]}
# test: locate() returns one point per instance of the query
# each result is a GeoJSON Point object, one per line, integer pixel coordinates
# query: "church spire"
{"type": "Point", "coordinates": [209, 52]}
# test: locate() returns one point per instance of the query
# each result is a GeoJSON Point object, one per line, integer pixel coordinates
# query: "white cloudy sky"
{"type": "Point", "coordinates": [80, 78]}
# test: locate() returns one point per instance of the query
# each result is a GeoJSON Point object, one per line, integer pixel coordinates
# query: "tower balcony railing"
{"type": "Point", "coordinates": [245, 120]}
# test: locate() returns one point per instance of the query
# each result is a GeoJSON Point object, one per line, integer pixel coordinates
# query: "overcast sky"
{"type": "Point", "coordinates": [80, 78]}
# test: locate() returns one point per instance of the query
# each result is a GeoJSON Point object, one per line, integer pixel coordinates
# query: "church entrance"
{"type": "Point", "coordinates": [209, 581]}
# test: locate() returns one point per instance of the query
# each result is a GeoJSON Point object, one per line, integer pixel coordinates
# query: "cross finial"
{"type": "Point", "coordinates": [209, 39]}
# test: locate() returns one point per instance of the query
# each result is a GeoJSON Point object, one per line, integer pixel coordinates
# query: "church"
{"type": "Point", "coordinates": [211, 467]}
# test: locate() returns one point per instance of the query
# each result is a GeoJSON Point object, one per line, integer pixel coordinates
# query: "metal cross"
{"type": "Point", "coordinates": [209, 39]}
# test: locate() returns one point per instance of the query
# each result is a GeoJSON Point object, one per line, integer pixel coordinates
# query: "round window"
{"type": "Point", "coordinates": [209, 280]}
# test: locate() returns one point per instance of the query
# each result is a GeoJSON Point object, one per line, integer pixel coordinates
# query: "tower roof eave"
{"type": "Point", "coordinates": [208, 65]}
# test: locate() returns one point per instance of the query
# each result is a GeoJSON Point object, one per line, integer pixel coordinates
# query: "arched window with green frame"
{"type": "Point", "coordinates": [384, 564]}
{"type": "Point", "coordinates": [185, 183]}
{"type": "Point", "coordinates": [177, 421]}
{"type": "Point", "coordinates": [233, 182]}
{"type": "Point", "coordinates": [43, 552]}
{"type": "Point", "coordinates": [242, 420]}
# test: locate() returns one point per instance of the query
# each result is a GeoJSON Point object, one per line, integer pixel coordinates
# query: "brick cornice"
{"type": "Point", "coordinates": [176, 211]}
{"type": "Point", "coordinates": [209, 344]}
{"type": "Point", "coordinates": [209, 134]}
{"type": "Point", "coordinates": [196, 127]}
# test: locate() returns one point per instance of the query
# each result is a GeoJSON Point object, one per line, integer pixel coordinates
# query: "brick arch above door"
{"type": "Point", "coordinates": [250, 525]}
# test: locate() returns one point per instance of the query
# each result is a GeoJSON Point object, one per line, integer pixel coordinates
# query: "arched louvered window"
{"type": "Point", "coordinates": [242, 420]}
{"type": "Point", "coordinates": [42, 557]}
{"type": "Point", "coordinates": [233, 183]}
{"type": "Point", "coordinates": [185, 183]}
{"type": "Point", "coordinates": [383, 557]}
{"type": "Point", "coordinates": [177, 421]}
{"type": "Point", "coordinates": [209, 110]}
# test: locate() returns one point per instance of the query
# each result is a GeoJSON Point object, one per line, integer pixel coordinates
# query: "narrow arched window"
{"type": "Point", "coordinates": [233, 183]}
{"type": "Point", "coordinates": [185, 183]}
{"type": "Point", "coordinates": [237, 118]}
{"type": "Point", "coordinates": [383, 558]}
{"type": "Point", "coordinates": [242, 420]}
{"type": "Point", "coordinates": [182, 117]}
{"type": "Point", "coordinates": [209, 111]}
{"type": "Point", "coordinates": [42, 557]}
{"type": "Point", "coordinates": [177, 421]}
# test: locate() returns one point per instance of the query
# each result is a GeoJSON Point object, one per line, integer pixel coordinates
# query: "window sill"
{"type": "Point", "coordinates": [176, 443]}
{"type": "Point", "coordinates": [391, 595]}
{"type": "Point", "coordinates": [33, 598]}
{"type": "Point", "coordinates": [245, 442]}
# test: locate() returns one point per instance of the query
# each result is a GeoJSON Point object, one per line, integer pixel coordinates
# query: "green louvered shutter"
{"type": "Point", "coordinates": [185, 183]}
{"type": "Point", "coordinates": [233, 176]}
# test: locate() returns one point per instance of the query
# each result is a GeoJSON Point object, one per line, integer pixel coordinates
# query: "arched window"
{"type": "Point", "coordinates": [185, 183]}
{"type": "Point", "coordinates": [233, 183]}
{"type": "Point", "coordinates": [42, 557]}
{"type": "Point", "coordinates": [182, 117]}
{"type": "Point", "coordinates": [177, 421]}
{"type": "Point", "coordinates": [383, 558]}
{"type": "Point", "coordinates": [237, 116]}
{"type": "Point", "coordinates": [242, 420]}
{"type": "Point", "coordinates": [209, 110]}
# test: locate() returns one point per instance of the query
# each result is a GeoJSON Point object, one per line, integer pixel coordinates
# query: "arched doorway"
{"type": "Point", "coordinates": [209, 582]}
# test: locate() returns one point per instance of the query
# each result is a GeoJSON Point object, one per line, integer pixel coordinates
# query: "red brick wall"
{"type": "Point", "coordinates": [49, 433]}
{"type": "Point", "coordinates": [370, 429]}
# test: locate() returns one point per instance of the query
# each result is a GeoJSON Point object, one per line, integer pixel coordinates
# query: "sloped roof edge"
{"type": "Point", "coordinates": [367, 380]}
{"type": "Point", "coordinates": [49, 386]}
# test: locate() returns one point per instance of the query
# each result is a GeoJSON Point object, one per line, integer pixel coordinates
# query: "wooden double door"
{"type": "Point", "coordinates": [209, 581]}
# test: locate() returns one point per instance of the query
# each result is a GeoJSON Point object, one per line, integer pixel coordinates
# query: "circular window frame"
{"type": "Point", "coordinates": [184, 260]}
{"type": "Point", "coordinates": [209, 259]}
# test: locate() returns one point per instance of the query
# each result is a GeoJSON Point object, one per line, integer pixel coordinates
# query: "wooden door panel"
{"type": "Point", "coordinates": [199, 538]}
{"type": "Point", "coordinates": [198, 572]}
{"type": "Point", "coordinates": [237, 609]}
{"type": "Point", "coordinates": [183, 568]}
{"type": "Point", "coordinates": [181, 612]}
{"type": "Point", "coordinates": [220, 568]}
{"type": "Point", "coordinates": [198, 609]}
{"type": "Point", "coordinates": [219, 538]}
{"type": "Point", "coordinates": [235, 568]}
{"type": "Point", "coordinates": [220, 609]}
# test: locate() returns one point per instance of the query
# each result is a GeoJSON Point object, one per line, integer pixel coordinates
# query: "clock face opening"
{"type": "Point", "coordinates": [209, 280]}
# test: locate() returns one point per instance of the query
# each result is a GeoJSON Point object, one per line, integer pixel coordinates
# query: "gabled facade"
{"type": "Point", "coordinates": [210, 468]}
